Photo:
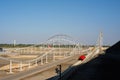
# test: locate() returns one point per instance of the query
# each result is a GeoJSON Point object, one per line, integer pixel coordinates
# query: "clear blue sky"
{"type": "Point", "coordinates": [33, 21]}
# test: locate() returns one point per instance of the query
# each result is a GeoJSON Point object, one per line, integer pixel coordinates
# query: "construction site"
{"type": "Point", "coordinates": [58, 58]}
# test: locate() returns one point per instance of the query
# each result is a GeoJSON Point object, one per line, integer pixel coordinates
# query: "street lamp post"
{"type": "Point", "coordinates": [59, 71]}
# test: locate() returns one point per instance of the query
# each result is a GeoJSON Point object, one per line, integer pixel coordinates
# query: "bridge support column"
{"type": "Point", "coordinates": [53, 56]}
{"type": "Point", "coordinates": [21, 66]}
{"type": "Point", "coordinates": [29, 65]}
{"type": "Point", "coordinates": [59, 50]}
{"type": "Point", "coordinates": [30, 50]}
{"type": "Point", "coordinates": [41, 61]}
{"type": "Point", "coordinates": [46, 59]}
{"type": "Point", "coordinates": [64, 55]}
{"type": "Point", "coordinates": [36, 63]}
{"type": "Point", "coordinates": [10, 66]}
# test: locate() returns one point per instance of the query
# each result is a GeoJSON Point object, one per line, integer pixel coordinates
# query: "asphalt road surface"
{"type": "Point", "coordinates": [38, 69]}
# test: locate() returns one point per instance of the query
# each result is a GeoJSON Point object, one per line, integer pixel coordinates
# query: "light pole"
{"type": "Point", "coordinates": [59, 71]}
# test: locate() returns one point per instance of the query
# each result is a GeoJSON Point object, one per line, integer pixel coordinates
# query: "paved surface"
{"type": "Point", "coordinates": [35, 70]}
{"type": "Point", "coordinates": [48, 74]}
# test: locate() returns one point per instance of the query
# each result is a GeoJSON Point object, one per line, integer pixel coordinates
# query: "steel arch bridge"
{"type": "Point", "coordinates": [55, 48]}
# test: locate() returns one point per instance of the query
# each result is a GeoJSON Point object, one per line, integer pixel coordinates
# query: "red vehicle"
{"type": "Point", "coordinates": [82, 57]}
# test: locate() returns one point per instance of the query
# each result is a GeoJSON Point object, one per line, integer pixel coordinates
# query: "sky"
{"type": "Point", "coordinates": [34, 21]}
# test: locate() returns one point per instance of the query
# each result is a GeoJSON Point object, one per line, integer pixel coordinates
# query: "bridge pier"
{"type": "Point", "coordinates": [10, 66]}
{"type": "Point", "coordinates": [41, 61]}
{"type": "Point", "coordinates": [21, 66]}
{"type": "Point", "coordinates": [46, 59]}
{"type": "Point", "coordinates": [36, 63]}
{"type": "Point", "coordinates": [29, 65]}
{"type": "Point", "coordinates": [53, 56]}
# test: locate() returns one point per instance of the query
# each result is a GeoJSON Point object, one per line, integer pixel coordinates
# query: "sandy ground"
{"type": "Point", "coordinates": [48, 74]}
{"type": "Point", "coordinates": [4, 65]}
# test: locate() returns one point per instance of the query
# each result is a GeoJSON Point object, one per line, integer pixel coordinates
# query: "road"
{"type": "Point", "coordinates": [50, 73]}
{"type": "Point", "coordinates": [37, 69]}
